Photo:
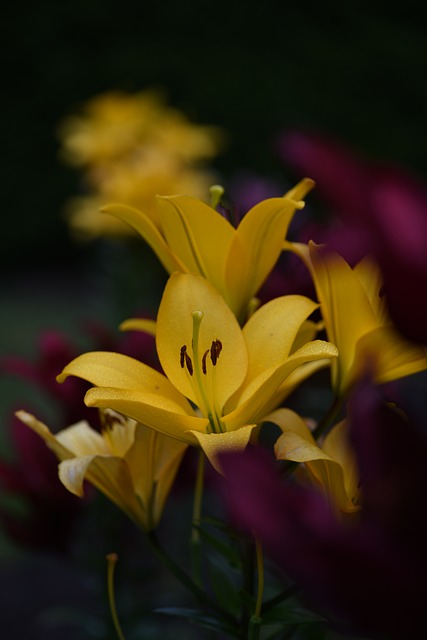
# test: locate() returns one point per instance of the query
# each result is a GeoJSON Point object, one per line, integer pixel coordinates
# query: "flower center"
{"type": "Point", "coordinates": [201, 370]}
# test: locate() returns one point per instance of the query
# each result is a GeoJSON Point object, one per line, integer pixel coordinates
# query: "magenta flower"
{"type": "Point", "coordinates": [384, 210]}
{"type": "Point", "coordinates": [369, 573]}
{"type": "Point", "coordinates": [33, 477]}
{"type": "Point", "coordinates": [54, 351]}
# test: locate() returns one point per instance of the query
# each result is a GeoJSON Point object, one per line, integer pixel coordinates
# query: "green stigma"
{"type": "Point", "coordinates": [216, 191]}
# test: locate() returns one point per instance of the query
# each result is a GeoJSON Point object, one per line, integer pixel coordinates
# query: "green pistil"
{"type": "Point", "coordinates": [214, 421]}
{"type": "Point", "coordinates": [216, 191]}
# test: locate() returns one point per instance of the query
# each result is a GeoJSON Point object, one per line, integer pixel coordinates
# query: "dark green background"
{"type": "Point", "coordinates": [357, 70]}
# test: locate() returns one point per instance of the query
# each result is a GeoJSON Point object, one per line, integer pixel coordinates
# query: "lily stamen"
{"type": "Point", "coordinates": [216, 349]}
{"type": "Point", "coordinates": [182, 355]}
{"type": "Point", "coordinates": [205, 355]}
{"type": "Point", "coordinates": [198, 366]}
{"type": "Point", "coordinates": [185, 360]}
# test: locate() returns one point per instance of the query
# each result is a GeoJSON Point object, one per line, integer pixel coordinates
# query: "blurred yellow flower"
{"type": "Point", "coordinates": [133, 147]}
{"type": "Point", "coordinates": [330, 468]}
{"type": "Point", "coordinates": [189, 236]}
{"type": "Point", "coordinates": [132, 465]}
{"type": "Point", "coordinates": [356, 320]}
{"type": "Point", "coordinates": [220, 379]}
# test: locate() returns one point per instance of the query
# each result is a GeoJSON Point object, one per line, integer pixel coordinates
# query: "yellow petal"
{"type": "Point", "coordinates": [148, 230]}
{"type": "Point", "coordinates": [139, 324]}
{"type": "Point", "coordinates": [370, 278]}
{"type": "Point", "coordinates": [153, 461]}
{"type": "Point", "coordinates": [254, 401]}
{"type": "Point", "coordinates": [330, 475]}
{"type": "Point", "coordinates": [44, 432]}
{"type": "Point", "coordinates": [293, 380]}
{"type": "Point", "coordinates": [120, 433]}
{"type": "Point", "coordinates": [255, 249]}
{"type": "Point", "coordinates": [198, 235]}
{"type": "Point", "coordinates": [390, 356]}
{"type": "Point", "coordinates": [345, 306]}
{"type": "Point", "coordinates": [271, 331]}
{"type": "Point", "coordinates": [215, 443]}
{"type": "Point", "coordinates": [297, 444]}
{"type": "Point", "coordinates": [184, 294]}
{"type": "Point", "coordinates": [108, 474]}
{"type": "Point", "coordinates": [301, 189]}
{"type": "Point", "coordinates": [108, 369]}
{"type": "Point", "coordinates": [153, 411]}
{"type": "Point", "coordinates": [301, 250]}
{"type": "Point", "coordinates": [337, 446]}
{"type": "Point", "coordinates": [81, 440]}
{"type": "Point", "coordinates": [307, 333]}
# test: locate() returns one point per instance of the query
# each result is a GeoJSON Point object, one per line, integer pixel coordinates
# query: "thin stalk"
{"type": "Point", "coordinates": [254, 628]}
{"type": "Point", "coordinates": [248, 566]}
{"type": "Point", "coordinates": [112, 561]}
{"type": "Point", "coordinates": [256, 620]}
{"type": "Point", "coordinates": [183, 577]}
{"type": "Point", "coordinates": [260, 569]}
{"type": "Point", "coordinates": [196, 549]}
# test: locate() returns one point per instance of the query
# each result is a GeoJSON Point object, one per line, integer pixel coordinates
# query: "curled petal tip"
{"type": "Point", "coordinates": [24, 416]}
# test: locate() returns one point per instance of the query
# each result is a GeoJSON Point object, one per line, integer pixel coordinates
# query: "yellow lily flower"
{"type": "Point", "coordinates": [189, 236]}
{"type": "Point", "coordinates": [330, 468]}
{"type": "Point", "coordinates": [133, 147]}
{"type": "Point", "coordinates": [220, 379]}
{"type": "Point", "coordinates": [356, 320]}
{"type": "Point", "coordinates": [132, 465]}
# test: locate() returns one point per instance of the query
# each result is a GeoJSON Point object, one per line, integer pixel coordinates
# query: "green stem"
{"type": "Point", "coordinates": [248, 565]}
{"type": "Point", "coordinates": [196, 549]}
{"type": "Point", "coordinates": [254, 628]}
{"type": "Point", "coordinates": [260, 569]}
{"type": "Point", "coordinates": [112, 561]}
{"type": "Point", "coordinates": [255, 621]}
{"type": "Point", "coordinates": [182, 576]}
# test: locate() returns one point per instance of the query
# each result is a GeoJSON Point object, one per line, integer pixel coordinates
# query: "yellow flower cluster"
{"type": "Point", "coordinates": [133, 147]}
{"type": "Point", "coordinates": [226, 368]}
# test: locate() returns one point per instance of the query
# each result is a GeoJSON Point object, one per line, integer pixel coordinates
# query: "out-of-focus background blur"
{"type": "Point", "coordinates": [358, 73]}
{"type": "Point", "coordinates": [352, 70]}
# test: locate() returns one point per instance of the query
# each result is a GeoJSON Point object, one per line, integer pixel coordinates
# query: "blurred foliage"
{"type": "Point", "coordinates": [356, 70]}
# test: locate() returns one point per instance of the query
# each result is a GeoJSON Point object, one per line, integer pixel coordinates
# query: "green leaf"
{"type": "Point", "coordinates": [220, 547]}
{"type": "Point", "coordinates": [247, 599]}
{"type": "Point", "coordinates": [290, 614]}
{"type": "Point", "coordinates": [221, 579]}
{"type": "Point", "coordinates": [223, 526]}
{"type": "Point", "coordinates": [202, 619]}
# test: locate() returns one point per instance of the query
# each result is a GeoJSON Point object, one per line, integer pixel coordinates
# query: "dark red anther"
{"type": "Point", "coordinates": [205, 355]}
{"type": "Point", "coordinates": [188, 363]}
{"type": "Point", "coordinates": [216, 349]}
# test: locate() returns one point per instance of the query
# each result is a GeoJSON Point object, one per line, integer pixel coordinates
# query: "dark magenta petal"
{"type": "Point", "coordinates": [384, 210]}
{"type": "Point", "coordinates": [368, 573]}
